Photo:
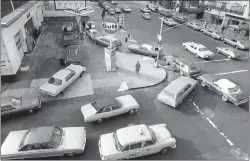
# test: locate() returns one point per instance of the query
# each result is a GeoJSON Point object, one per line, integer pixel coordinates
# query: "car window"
{"type": "Point", "coordinates": [33, 147]}
{"type": "Point", "coordinates": [16, 102]}
{"type": "Point", "coordinates": [194, 47]}
{"type": "Point", "coordinates": [187, 87]}
{"type": "Point", "coordinates": [126, 148]}
{"type": "Point", "coordinates": [70, 75]}
{"type": "Point", "coordinates": [107, 109]}
{"type": "Point", "coordinates": [115, 107]}
{"type": "Point", "coordinates": [55, 81]}
{"type": "Point", "coordinates": [135, 146]}
{"type": "Point", "coordinates": [148, 143]}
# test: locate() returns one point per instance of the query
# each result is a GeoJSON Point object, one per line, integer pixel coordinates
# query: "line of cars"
{"type": "Point", "coordinates": [112, 10]}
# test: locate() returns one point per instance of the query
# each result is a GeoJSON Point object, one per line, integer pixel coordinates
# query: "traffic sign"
{"type": "Point", "coordinates": [110, 25]}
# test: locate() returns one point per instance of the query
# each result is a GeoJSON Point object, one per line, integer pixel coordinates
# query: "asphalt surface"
{"type": "Point", "coordinates": [196, 137]}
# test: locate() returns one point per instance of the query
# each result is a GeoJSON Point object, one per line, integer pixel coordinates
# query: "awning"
{"type": "Point", "coordinates": [195, 10]}
{"type": "Point", "coordinates": [236, 17]}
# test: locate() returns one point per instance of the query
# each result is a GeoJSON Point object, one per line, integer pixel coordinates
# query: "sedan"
{"type": "Point", "coordinates": [43, 142]}
{"type": "Point", "coordinates": [165, 12]}
{"type": "Point", "coordinates": [146, 16]}
{"type": "Point", "coordinates": [236, 43]}
{"type": "Point", "coordinates": [170, 22]}
{"type": "Point", "coordinates": [108, 107]}
{"type": "Point", "coordinates": [105, 41]}
{"type": "Point", "coordinates": [126, 9]}
{"type": "Point", "coordinates": [71, 55]}
{"type": "Point", "coordinates": [118, 10]}
{"type": "Point", "coordinates": [199, 50]}
{"type": "Point", "coordinates": [136, 141]}
{"type": "Point", "coordinates": [151, 7]}
{"type": "Point", "coordinates": [12, 105]}
{"type": "Point", "coordinates": [62, 79]}
{"type": "Point", "coordinates": [213, 34]}
{"type": "Point", "coordinates": [225, 88]}
{"type": "Point", "coordinates": [195, 26]}
{"type": "Point", "coordinates": [231, 53]}
{"type": "Point", "coordinates": [113, 2]}
{"type": "Point", "coordinates": [145, 10]}
{"type": "Point", "coordinates": [143, 49]}
{"type": "Point", "coordinates": [111, 11]}
{"type": "Point", "coordinates": [92, 33]}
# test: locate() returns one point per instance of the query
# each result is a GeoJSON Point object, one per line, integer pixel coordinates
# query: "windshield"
{"type": "Point", "coordinates": [168, 94]}
{"type": "Point", "coordinates": [117, 143]}
{"type": "Point", "coordinates": [203, 49]}
{"type": "Point", "coordinates": [56, 137]}
{"type": "Point", "coordinates": [95, 105]}
{"type": "Point", "coordinates": [119, 101]}
{"type": "Point", "coordinates": [153, 134]}
{"type": "Point", "coordinates": [234, 89]}
{"type": "Point", "coordinates": [55, 81]}
{"type": "Point", "coordinates": [16, 102]}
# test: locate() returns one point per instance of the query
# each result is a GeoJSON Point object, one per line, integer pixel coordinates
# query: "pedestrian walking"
{"type": "Point", "coordinates": [103, 14]}
{"type": "Point", "coordinates": [137, 67]}
{"type": "Point", "coordinates": [222, 29]}
{"type": "Point", "coordinates": [205, 25]}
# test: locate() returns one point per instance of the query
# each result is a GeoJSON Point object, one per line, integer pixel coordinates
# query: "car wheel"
{"type": "Point", "coordinates": [224, 42]}
{"type": "Point", "coordinates": [81, 74]}
{"type": "Point", "coordinates": [185, 47]}
{"type": "Point", "coordinates": [197, 56]}
{"type": "Point", "coordinates": [229, 57]}
{"type": "Point", "coordinates": [70, 154]}
{"type": "Point", "coordinates": [31, 111]}
{"type": "Point", "coordinates": [131, 112]}
{"type": "Point", "coordinates": [237, 47]}
{"type": "Point", "coordinates": [99, 121]}
{"type": "Point", "coordinates": [224, 98]}
{"type": "Point", "coordinates": [62, 62]}
{"type": "Point", "coordinates": [236, 104]}
{"type": "Point", "coordinates": [203, 84]}
{"type": "Point", "coordinates": [164, 150]}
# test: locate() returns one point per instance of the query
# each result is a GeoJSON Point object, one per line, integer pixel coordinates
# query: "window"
{"type": "Point", "coordinates": [115, 107]}
{"type": "Point", "coordinates": [234, 22]}
{"type": "Point", "coordinates": [187, 87]}
{"type": "Point", "coordinates": [18, 40]}
{"type": "Point", "coordinates": [33, 147]}
{"type": "Point", "coordinates": [107, 109]}
{"type": "Point", "coordinates": [168, 94]}
{"type": "Point", "coordinates": [126, 148]}
{"type": "Point", "coordinates": [70, 75]}
{"type": "Point", "coordinates": [117, 143]}
{"type": "Point", "coordinates": [135, 146]}
{"type": "Point", "coordinates": [95, 105]}
{"type": "Point", "coordinates": [148, 143]}
{"type": "Point", "coordinates": [55, 81]}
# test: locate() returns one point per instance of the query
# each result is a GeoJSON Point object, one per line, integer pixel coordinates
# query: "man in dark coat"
{"type": "Point", "coordinates": [103, 14]}
{"type": "Point", "coordinates": [137, 67]}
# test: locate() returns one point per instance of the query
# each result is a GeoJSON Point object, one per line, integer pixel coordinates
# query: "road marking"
{"type": "Point", "coordinates": [200, 62]}
{"type": "Point", "coordinates": [238, 71]}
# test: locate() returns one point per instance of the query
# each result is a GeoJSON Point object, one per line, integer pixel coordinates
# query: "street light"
{"type": "Point", "coordinates": [159, 37]}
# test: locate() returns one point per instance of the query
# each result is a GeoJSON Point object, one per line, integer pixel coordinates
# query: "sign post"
{"type": "Point", "coordinates": [110, 26]}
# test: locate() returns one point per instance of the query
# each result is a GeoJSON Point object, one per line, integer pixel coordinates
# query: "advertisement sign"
{"type": "Point", "coordinates": [69, 4]}
{"type": "Point", "coordinates": [110, 25]}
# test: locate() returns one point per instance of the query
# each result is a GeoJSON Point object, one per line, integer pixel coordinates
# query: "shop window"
{"type": "Point", "coordinates": [18, 40]}
{"type": "Point", "coordinates": [234, 22]}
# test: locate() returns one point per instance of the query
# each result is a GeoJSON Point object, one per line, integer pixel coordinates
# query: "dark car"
{"type": "Point", "coordinates": [68, 38]}
{"type": "Point", "coordinates": [185, 67]}
{"type": "Point", "coordinates": [165, 12]}
{"type": "Point", "coordinates": [225, 88]}
{"type": "Point", "coordinates": [71, 55]}
{"type": "Point", "coordinates": [180, 19]}
{"type": "Point", "coordinates": [105, 41]}
{"type": "Point", "coordinates": [11, 104]}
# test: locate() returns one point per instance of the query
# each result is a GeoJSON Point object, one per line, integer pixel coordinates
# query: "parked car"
{"type": "Point", "coordinates": [145, 10]}
{"type": "Point", "coordinates": [71, 55]}
{"type": "Point", "coordinates": [234, 27]}
{"type": "Point", "coordinates": [135, 141]}
{"type": "Point", "coordinates": [106, 7]}
{"type": "Point", "coordinates": [43, 142]}
{"type": "Point", "coordinates": [90, 25]}
{"type": "Point", "coordinates": [180, 19]}
{"type": "Point", "coordinates": [195, 26]}
{"type": "Point", "coordinates": [146, 16]}
{"type": "Point", "coordinates": [228, 90]}
{"type": "Point", "coordinates": [92, 33]}
{"type": "Point", "coordinates": [105, 41]}
{"type": "Point", "coordinates": [126, 8]}
{"type": "Point", "coordinates": [213, 34]}
{"type": "Point", "coordinates": [151, 7]}
{"type": "Point", "coordinates": [170, 22]}
{"type": "Point", "coordinates": [114, 2]}
{"type": "Point", "coordinates": [62, 79]}
{"type": "Point", "coordinates": [165, 12]}
{"type": "Point", "coordinates": [236, 43]}
{"type": "Point", "coordinates": [143, 49]}
{"type": "Point", "coordinates": [199, 50]}
{"type": "Point", "coordinates": [111, 11]}
{"type": "Point", "coordinates": [118, 10]}
{"type": "Point", "coordinates": [231, 53]}
{"type": "Point", "coordinates": [12, 105]}
{"type": "Point", "coordinates": [68, 38]}
{"type": "Point", "coordinates": [185, 67]}
{"type": "Point", "coordinates": [101, 3]}
{"type": "Point", "coordinates": [177, 91]}
{"type": "Point", "coordinates": [104, 108]}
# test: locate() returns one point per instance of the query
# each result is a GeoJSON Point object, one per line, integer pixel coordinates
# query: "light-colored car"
{"type": "Point", "coordinates": [114, 2]}
{"type": "Point", "coordinates": [236, 43]}
{"type": "Point", "coordinates": [199, 50]}
{"type": "Point", "coordinates": [143, 49]}
{"type": "Point", "coordinates": [62, 79]}
{"type": "Point", "coordinates": [185, 67]}
{"type": "Point", "coordinates": [104, 108]}
{"type": "Point", "coordinates": [43, 142]}
{"type": "Point", "coordinates": [92, 33]}
{"type": "Point", "coordinates": [177, 91]}
{"type": "Point", "coordinates": [213, 34]}
{"type": "Point", "coordinates": [105, 41]}
{"type": "Point", "coordinates": [118, 10]}
{"type": "Point", "coordinates": [193, 25]}
{"type": "Point", "coordinates": [90, 25]}
{"type": "Point", "coordinates": [231, 53]}
{"type": "Point", "coordinates": [12, 105]}
{"type": "Point", "coordinates": [126, 8]}
{"type": "Point", "coordinates": [228, 90]}
{"type": "Point", "coordinates": [111, 11]}
{"type": "Point", "coordinates": [146, 16]}
{"type": "Point", "coordinates": [145, 10]}
{"type": "Point", "coordinates": [170, 22]}
{"type": "Point", "coordinates": [151, 7]}
{"type": "Point", "coordinates": [136, 141]}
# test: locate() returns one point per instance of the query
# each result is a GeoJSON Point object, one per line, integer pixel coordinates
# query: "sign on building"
{"type": "Point", "coordinates": [110, 25]}
{"type": "Point", "coordinates": [69, 4]}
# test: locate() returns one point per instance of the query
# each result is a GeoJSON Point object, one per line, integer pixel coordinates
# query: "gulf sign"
{"type": "Point", "coordinates": [110, 25]}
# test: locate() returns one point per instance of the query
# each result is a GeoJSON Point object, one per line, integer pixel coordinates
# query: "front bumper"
{"type": "Point", "coordinates": [241, 102]}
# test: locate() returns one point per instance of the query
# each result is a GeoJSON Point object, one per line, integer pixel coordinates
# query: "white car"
{"type": "Point", "coordinates": [244, 45]}
{"type": "Point", "coordinates": [135, 141]}
{"type": "Point", "coordinates": [108, 107]}
{"type": "Point", "coordinates": [231, 53]}
{"type": "Point", "coordinates": [145, 10]}
{"type": "Point", "coordinates": [43, 142]}
{"type": "Point", "coordinates": [62, 79]}
{"type": "Point", "coordinates": [126, 8]}
{"type": "Point", "coordinates": [170, 22]}
{"type": "Point", "coordinates": [151, 7]}
{"type": "Point", "coordinates": [199, 50]}
{"type": "Point", "coordinates": [146, 16]}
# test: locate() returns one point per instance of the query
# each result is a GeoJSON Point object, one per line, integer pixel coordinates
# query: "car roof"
{"type": "Point", "coordinates": [199, 45]}
{"type": "Point", "coordinates": [133, 134]}
{"type": "Point", "coordinates": [225, 83]}
{"type": "Point", "coordinates": [39, 135]}
{"type": "Point", "coordinates": [147, 46]}
{"type": "Point", "coordinates": [107, 101]}
{"type": "Point", "coordinates": [178, 84]}
{"type": "Point", "coordinates": [110, 37]}
{"type": "Point", "coordinates": [61, 74]}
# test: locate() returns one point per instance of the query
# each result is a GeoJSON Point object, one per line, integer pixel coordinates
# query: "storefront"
{"type": "Point", "coordinates": [13, 34]}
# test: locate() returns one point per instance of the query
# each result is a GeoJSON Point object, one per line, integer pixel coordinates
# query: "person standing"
{"type": "Point", "coordinates": [137, 67]}
{"type": "Point", "coordinates": [222, 29]}
{"type": "Point", "coordinates": [103, 14]}
{"type": "Point", "coordinates": [205, 25]}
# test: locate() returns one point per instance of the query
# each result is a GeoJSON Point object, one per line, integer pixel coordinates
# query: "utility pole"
{"type": "Point", "coordinates": [159, 38]}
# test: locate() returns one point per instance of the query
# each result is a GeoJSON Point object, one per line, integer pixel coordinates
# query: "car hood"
{"type": "Point", "coordinates": [88, 110]}
{"type": "Point", "coordinates": [107, 144]}
{"type": "Point", "coordinates": [239, 96]}
{"type": "Point", "coordinates": [30, 101]}
{"type": "Point", "coordinates": [133, 46]}
{"type": "Point", "coordinates": [127, 101]}
{"type": "Point", "coordinates": [50, 88]}
{"type": "Point", "coordinates": [12, 142]}
{"type": "Point", "coordinates": [74, 138]}
{"type": "Point", "coordinates": [72, 57]}
{"type": "Point", "coordinates": [127, 9]}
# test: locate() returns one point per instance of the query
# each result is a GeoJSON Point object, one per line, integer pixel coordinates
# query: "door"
{"type": "Point", "coordinates": [149, 148]}
{"type": "Point", "coordinates": [135, 150]}
{"type": "Point", "coordinates": [116, 110]}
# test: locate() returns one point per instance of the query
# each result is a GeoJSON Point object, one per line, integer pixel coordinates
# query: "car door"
{"type": "Point", "coordinates": [106, 113]}
{"type": "Point", "coordinates": [135, 150]}
{"type": "Point", "coordinates": [215, 88]}
{"type": "Point", "coordinates": [32, 151]}
{"type": "Point", "coordinates": [149, 147]}
{"type": "Point", "coordinates": [117, 110]}
{"type": "Point", "coordinates": [142, 50]}
{"type": "Point", "coordinates": [45, 150]}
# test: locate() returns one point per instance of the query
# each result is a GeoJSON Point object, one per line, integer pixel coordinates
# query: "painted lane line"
{"type": "Point", "coordinates": [201, 62]}
{"type": "Point", "coordinates": [238, 71]}
{"type": "Point", "coordinates": [230, 142]}
{"type": "Point", "coordinates": [211, 123]}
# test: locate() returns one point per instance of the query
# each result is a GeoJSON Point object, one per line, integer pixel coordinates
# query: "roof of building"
{"type": "Point", "coordinates": [39, 135]}
{"type": "Point", "coordinates": [133, 134]}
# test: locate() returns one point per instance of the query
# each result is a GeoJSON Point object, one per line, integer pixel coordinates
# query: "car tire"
{"type": "Point", "coordinates": [237, 47]}
{"type": "Point", "coordinates": [164, 150]}
{"type": "Point", "coordinates": [31, 111]}
{"type": "Point", "coordinates": [99, 121]}
{"type": "Point", "coordinates": [81, 74]}
{"type": "Point", "coordinates": [229, 57]}
{"type": "Point", "coordinates": [70, 154]}
{"type": "Point", "coordinates": [224, 42]}
{"type": "Point", "coordinates": [185, 47]}
{"type": "Point", "coordinates": [197, 56]}
{"type": "Point", "coordinates": [224, 98]}
{"type": "Point", "coordinates": [131, 112]}
{"type": "Point", "coordinates": [203, 84]}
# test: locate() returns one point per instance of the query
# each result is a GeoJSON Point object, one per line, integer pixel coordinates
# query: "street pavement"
{"type": "Point", "coordinates": [204, 126]}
